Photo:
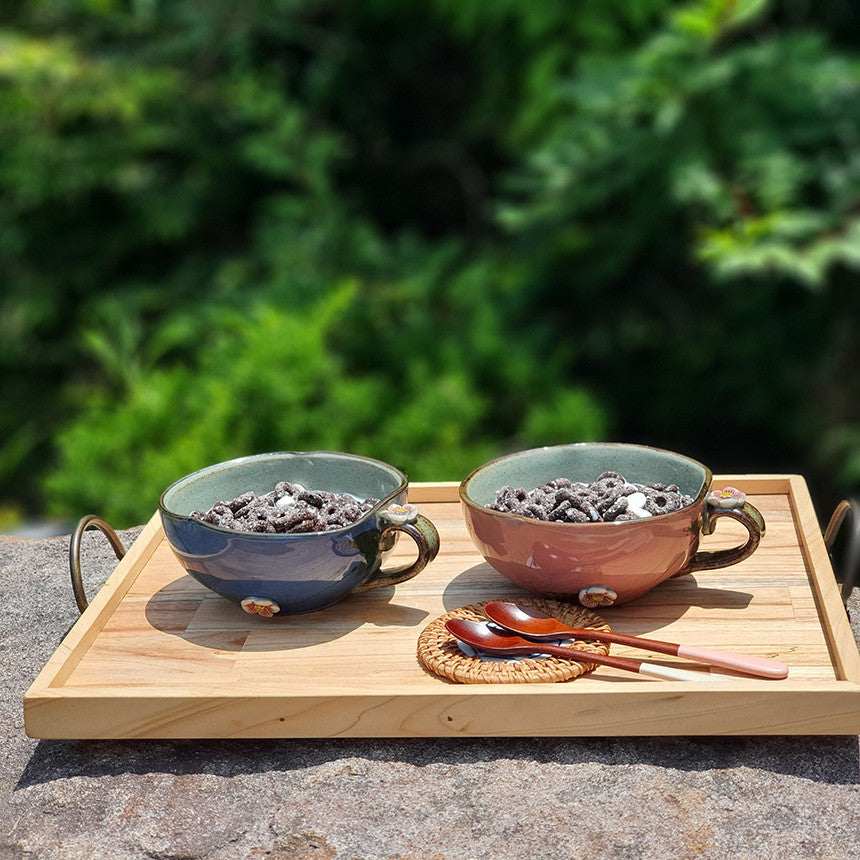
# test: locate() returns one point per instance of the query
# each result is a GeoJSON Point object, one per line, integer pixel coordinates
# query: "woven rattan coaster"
{"type": "Point", "coordinates": [439, 651]}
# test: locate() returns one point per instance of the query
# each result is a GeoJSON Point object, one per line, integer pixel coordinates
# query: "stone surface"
{"type": "Point", "coordinates": [532, 799]}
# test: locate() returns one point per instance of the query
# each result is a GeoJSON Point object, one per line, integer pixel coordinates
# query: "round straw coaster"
{"type": "Point", "coordinates": [440, 652]}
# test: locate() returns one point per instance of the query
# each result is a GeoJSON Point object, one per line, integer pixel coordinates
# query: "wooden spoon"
{"type": "Point", "coordinates": [538, 625]}
{"type": "Point", "coordinates": [480, 637]}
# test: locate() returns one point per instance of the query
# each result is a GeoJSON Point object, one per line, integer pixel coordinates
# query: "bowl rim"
{"type": "Point", "coordinates": [165, 511]}
{"type": "Point", "coordinates": [469, 502]}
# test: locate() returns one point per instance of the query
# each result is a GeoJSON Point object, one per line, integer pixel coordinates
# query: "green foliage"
{"type": "Point", "coordinates": [765, 185]}
{"type": "Point", "coordinates": [428, 233]}
{"type": "Point", "coordinates": [275, 379]}
{"type": "Point", "coordinates": [709, 182]}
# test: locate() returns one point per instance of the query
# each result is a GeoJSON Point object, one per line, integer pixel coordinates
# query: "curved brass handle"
{"type": "Point", "coordinates": [75, 554]}
{"type": "Point", "coordinates": [424, 533]}
{"type": "Point", "coordinates": [836, 520]}
{"type": "Point", "coordinates": [748, 516]}
{"type": "Point", "coordinates": [848, 514]}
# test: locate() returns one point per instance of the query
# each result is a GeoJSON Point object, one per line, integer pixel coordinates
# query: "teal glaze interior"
{"type": "Point", "coordinates": [320, 470]}
{"type": "Point", "coordinates": [584, 462]}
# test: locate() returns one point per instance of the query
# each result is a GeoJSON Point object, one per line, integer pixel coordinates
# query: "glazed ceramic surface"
{"type": "Point", "coordinates": [599, 563]}
{"type": "Point", "coordinates": [290, 573]}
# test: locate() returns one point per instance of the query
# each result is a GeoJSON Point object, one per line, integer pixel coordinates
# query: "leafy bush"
{"type": "Point", "coordinates": [428, 233]}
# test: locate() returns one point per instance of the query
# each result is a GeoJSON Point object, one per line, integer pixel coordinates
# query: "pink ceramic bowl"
{"type": "Point", "coordinates": [602, 563]}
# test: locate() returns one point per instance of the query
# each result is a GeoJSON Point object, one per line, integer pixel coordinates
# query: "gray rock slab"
{"type": "Point", "coordinates": [529, 798]}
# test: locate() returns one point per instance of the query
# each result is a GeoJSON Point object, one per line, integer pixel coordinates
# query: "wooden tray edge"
{"type": "Point", "coordinates": [831, 610]}
{"type": "Point", "coordinates": [430, 491]}
{"type": "Point", "coordinates": [460, 710]}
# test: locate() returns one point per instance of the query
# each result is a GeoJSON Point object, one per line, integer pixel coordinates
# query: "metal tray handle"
{"type": "Point", "coordinates": [75, 554]}
{"type": "Point", "coordinates": [846, 512]}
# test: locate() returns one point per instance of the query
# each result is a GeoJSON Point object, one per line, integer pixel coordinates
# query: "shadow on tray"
{"type": "Point", "coordinates": [184, 608]}
{"type": "Point", "coordinates": [661, 606]}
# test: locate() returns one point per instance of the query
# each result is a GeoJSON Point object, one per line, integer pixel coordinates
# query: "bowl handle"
{"type": "Point", "coordinates": [75, 554]}
{"type": "Point", "coordinates": [423, 532]}
{"type": "Point", "coordinates": [738, 509]}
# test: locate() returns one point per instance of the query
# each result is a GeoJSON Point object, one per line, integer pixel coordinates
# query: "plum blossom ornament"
{"type": "Point", "coordinates": [597, 595]}
{"type": "Point", "coordinates": [400, 514]}
{"type": "Point", "coordinates": [730, 497]}
{"type": "Point", "coordinates": [260, 606]}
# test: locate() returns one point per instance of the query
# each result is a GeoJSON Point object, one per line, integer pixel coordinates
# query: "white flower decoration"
{"type": "Point", "coordinates": [730, 497]}
{"type": "Point", "coordinates": [260, 606]}
{"type": "Point", "coordinates": [597, 595]}
{"type": "Point", "coordinates": [400, 514]}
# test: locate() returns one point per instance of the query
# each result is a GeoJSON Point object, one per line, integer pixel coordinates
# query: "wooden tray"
{"type": "Point", "coordinates": [158, 656]}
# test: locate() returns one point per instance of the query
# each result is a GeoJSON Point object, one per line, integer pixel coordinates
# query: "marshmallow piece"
{"type": "Point", "coordinates": [636, 505]}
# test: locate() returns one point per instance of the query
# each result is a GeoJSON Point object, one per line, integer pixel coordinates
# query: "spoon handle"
{"type": "Point", "coordinates": [523, 621]}
{"type": "Point", "coordinates": [622, 663]}
{"type": "Point", "coordinates": [761, 666]}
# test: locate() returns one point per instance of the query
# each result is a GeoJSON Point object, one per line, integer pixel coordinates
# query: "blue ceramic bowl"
{"type": "Point", "coordinates": [291, 573]}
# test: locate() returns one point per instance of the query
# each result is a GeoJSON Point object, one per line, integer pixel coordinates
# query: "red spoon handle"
{"type": "Point", "coordinates": [587, 657]}
{"type": "Point", "coordinates": [638, 666]}
{"type": "Point", "coordinates": [623, 639]}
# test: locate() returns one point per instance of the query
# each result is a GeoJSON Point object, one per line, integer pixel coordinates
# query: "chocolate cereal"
{"type": "Point", "coordinates": [288, 509]}
{"type": "Point", "coordinates": [608, 498]}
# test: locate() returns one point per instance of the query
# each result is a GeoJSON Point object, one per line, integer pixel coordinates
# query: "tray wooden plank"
{"type": "Point", "coordinates": [156, 655]}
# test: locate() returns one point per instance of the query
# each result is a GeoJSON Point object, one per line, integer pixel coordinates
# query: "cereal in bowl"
{"type": "Point", "coordinates": [608, 498]}
{"type": "Point", "coordinates": [288, 509]}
